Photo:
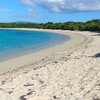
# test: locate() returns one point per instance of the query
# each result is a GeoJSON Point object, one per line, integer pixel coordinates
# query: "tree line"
{"type": "Point", "coordinates": [92, 25]}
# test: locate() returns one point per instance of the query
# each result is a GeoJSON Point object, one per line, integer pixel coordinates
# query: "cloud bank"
{"type": "Point", "coordinates": [63, 6]}
{"type": "Point", "coordinates": [27, 2]}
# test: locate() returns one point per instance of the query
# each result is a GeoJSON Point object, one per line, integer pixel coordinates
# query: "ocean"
{"type": "Point", "coordinates": [14, 42]}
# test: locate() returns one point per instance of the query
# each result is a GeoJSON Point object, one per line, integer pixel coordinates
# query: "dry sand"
{"type": "Point", "coordinates": [69, 71]}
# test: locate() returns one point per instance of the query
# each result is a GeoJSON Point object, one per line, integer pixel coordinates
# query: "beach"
{"type": "Point", "coordinates": [68, 71]}
{"type": "Point", "coordinates": [26, 59]}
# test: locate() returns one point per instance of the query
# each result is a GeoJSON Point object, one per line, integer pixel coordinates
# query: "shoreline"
{"type": "Point", "coordinates": [32, 49]}
{"type": "Point", "coordinates": [26, 59]}
{"type": "Point", "coordinates": [70, 73]}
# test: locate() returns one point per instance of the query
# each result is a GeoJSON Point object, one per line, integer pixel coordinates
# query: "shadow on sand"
{"type": "Point", "coordinates": [97, 55]}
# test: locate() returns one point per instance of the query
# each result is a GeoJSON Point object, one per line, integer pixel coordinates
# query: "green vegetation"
{"type": "Point", "coordinates": [93, 25]}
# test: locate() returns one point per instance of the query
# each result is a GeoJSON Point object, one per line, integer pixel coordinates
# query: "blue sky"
{"type": "Point", "coordinates": [49, 10]}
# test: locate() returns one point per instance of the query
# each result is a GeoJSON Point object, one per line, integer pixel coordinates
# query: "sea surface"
{"type": "Point", "coordinates": [15, 42]}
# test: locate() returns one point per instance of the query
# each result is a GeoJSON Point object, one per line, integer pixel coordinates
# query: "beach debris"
{"type": "Point", "coordinates": [10, 92]}
{"type": "Point", "coordinates": [22, 97]}
{"type": "Point", "coordinates": [26, 85]}
{"type": "Point", "coordinates": [55, 62]}
{"type": "Point", "coordinates": [3, 82]}
{"type": "Point", "coordinates": [97, 55]}
{"type": "Point", "coordinates": [97, 99]}
{"type": "Point", "coordinates": [29, 93]}
{"type": "Point", "coordinates": [55, 97]}
{"type": "Point", "coordinates": [41, 82]}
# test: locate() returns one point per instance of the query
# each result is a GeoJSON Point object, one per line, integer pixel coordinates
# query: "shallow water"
{"type": "Point", "coordinates": [15, 41]}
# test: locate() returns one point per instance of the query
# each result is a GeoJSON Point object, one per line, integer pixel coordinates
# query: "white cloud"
{"type": "Point", "coordinates": [27, 2]}
{"type": "Point", "coordinates": [55, 9]}
{"type": "Point", "coordinates": [66, 5]}
{"type": "Point", "coordinates": [31, 13]}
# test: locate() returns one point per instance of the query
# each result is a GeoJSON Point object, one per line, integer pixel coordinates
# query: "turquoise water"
{"type": "Point", "coordinates": [17, 41]}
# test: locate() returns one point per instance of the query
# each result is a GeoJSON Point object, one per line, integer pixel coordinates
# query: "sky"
{"type": "Point", "coordinates": [42, 11]}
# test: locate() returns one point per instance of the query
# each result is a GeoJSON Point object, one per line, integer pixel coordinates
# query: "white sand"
{"type": "Point", "coordinates": [20, 61]}
{"type": "Point", "coordinates": [69, 71]}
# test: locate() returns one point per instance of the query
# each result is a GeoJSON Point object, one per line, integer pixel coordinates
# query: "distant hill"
{"type": "Point", "coordinates": [22, 22]}
{"type": "Point", "coordinates": [92, 25]}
